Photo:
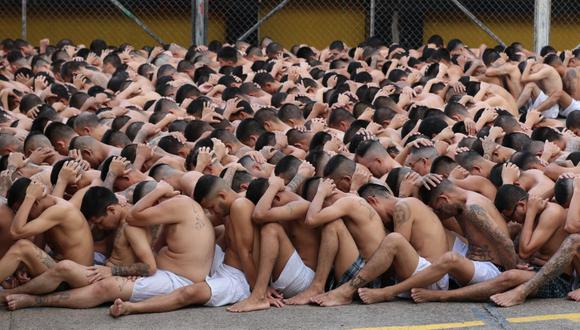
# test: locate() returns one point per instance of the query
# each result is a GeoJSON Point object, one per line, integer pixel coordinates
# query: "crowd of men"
{"type": "Point", "coordinates": [257, 176]}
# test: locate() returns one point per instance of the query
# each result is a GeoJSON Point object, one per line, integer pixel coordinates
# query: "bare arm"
{"type": "Point", "coordinates": [504, 245]}
{"type": "Point", "coordinates": [402, 220]}
{"type": "Point", "coordinates": [145, 213]}
{"type": "Point", "coordinates": [22, 229]}
{"type": "Point", "coordinates": [573, 216]}
{"type": "Point", "coordinates": [317, 216]}
{"type": "Point", "coordinates": [147, 266]}
{"type": "Point", "coordinates": [241, 222]}
{"type": "Point", "coordinates": [531, 240]}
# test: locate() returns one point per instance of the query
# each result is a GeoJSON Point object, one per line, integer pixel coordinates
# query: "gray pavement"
{"type": "Point", "coordinates": [400, 313]}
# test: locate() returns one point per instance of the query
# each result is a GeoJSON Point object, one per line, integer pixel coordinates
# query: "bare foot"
{"type": "Point", "coordinates": [18, 301]}
{"type": "Point", "coordinates": [574, 295]}
{"type": "Point", "coordinates": [249, 305]}
{"type": "Point", "coordinates": [425, 295]}
{"type": "Point", "coordinates": [373, 296]}
{"type": "Point", "coordinates": [119, 308]}
{"type": "Point", "coordinates": [303, 298]}
{"type": "Point", "coordinates": [337, 297]}
{"type": "Point", "coordinates": [510, 298]}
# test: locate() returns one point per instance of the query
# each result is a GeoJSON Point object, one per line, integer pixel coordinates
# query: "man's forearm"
{"type": "Point", "coordinates": [527, 231]}
{"type": "Point", "coordinates": [296, 181]}
{"type": "Point", "coordinates": [138, 269]}
{"type": "Point", "coordinates": [59, 189]}
{"type": "Point", "coordinates": [22, 215]}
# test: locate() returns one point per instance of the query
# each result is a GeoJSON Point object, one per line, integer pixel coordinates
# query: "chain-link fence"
{"type": "Point", "coordinates": [290, 22]}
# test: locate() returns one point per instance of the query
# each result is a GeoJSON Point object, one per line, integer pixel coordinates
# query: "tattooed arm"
{"type": "Point", "coordinates": [139, 241]}
{"type": "Point", "coordinates": [504, 245]}
{"type": "Point", "coordinates": [402, 220]}
{"type": "Point", "coordinates": [296, 182]}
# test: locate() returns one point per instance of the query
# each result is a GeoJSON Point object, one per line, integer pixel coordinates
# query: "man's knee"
{"type": "Point", "coordinates": [449, 260]}
{"type": "Point", "coordinates": [334, 227]}
{"type": "Point", "coordinates": [64, 267]}
{"type": "Point", "coordinates": [105, 287]}
{"type": "Point", "coordinates": [271, 230]}
{"type": "Point", "coordinates": [393, 240]}
{"type": "Point", "coordinates": [511, 277]}
{"type": "Point", "coordinates": [188, 294]}
{"type": "Point", "coordinates": [21, 247]}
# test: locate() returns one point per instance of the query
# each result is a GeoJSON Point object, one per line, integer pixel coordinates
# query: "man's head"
{"type": "Point", "coordinates": [60, 135]}
{"type": "Point", "coordinates": [421, 158]}
{"type": "Point", "coordinates": [248, 131]}
{"type": "Point", "coordinates": [171, 145]}
{"type": "Point", "coordinates": [473, 162]}
{"type": "Point", "coordinates": [443, 165]}
{"type": "Point", "coordinates": [89, 148]}
{"type": "Point", "coordinates": [511, 201]}
{"type": "Point", "coordinates": [443, 198]}
{"type": "Point", "coordinates": [376, 195]}
{"type": "Point", "coordinates": [268, 118]}
{"type": "Point", "coordinates": [340, 169]}
{"type": "Point", "coordinates": [287, 167]}
{"type": "Point", "coordinates": [213, 194]}
{"type": "Point", "coordinates": [101, 207]}
{"type": "Point", "coordinates": [374, 156]}
{"type": "Point", "coordinates": [87, 123]}
{"type": "Point", "coordinates": [255, 168]}
{"type": "Point", "coordinates": [340, 119]}
{"type": "Point", "coordinates": [17, 193]}
{"type": "Point", "coordinates": [227, 56]}
{"type": "Point", "coordinates": [563, 191]}
{"type": "Point", "coordinates": [129, 177]}
{"type": "Point", "coordinates": [573, 121]}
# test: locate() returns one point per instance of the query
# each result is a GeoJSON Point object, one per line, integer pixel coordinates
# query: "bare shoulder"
{"type": "Point", "coordinates": [554, 213]}
{"type": "Point", "coordinates": [242, 204]}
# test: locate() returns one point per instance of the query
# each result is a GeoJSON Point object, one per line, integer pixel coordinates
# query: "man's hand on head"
{"type": "Point", "coordinates": [36, 190]}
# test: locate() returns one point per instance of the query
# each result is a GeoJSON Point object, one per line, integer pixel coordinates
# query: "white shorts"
{"type": "Point", "coordinates": [218, 259]}
{"type": "Point", "coordinates": [484, 271]}
{"type": "Point", "coordinates": [161, 283]}
{"type": "Point", "coordinates": [295, 278]}
{"type": "Point", "coordinates": [228, 286]}
{"type": "Point", "coordinates": [460, 247]}
{"type": "Point", "coordinates": [551, 112]}
{"type": "Point", "coordinates": [574, 106]}
{"type": "Point", "coordinates": [442, 284]}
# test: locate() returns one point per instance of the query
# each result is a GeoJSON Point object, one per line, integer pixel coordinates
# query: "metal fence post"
{"type": "Point", "coordinates": [199, 22]}
{"type": "Point", "coordinates": [372, 19]}
{"type": "Point", "coordinates": [24, 28]}
{"type": "Point", "coordinates": [541, 24]}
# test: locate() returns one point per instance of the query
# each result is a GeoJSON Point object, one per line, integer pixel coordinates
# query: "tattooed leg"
{"type": "Point", "coordinates": [93, 295]}
{"type": "Point", "coordinates": [554, 267]}
{"type": "Point", "coordinates": [24, 251]}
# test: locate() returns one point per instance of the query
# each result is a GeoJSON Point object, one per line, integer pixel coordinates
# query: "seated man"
{"type": "Point", "coordinates": [227, 283]}
{"type": "Point", "coordinates": [131, 254]}
{"type": "Point", "coordinates": [185, 259]}
{"type": "Point", "coordinates": [289, 269]}
{"type": "Point", "coordinates": [68, 233]}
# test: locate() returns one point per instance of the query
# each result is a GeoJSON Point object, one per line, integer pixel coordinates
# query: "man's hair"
{"type": "Point", "coordinates": [142, 189]}
{"type": "Point", "coordinates": [573, 120]}
{"type": "Point", "coordinates": [266, 139]}
{"type": "Point", "coordinates": [289, 111]}
{"type": "Point", "coordinates": [507, 123]}
{"type": "Point", "coordinates": [96, 201]}
{"type": "Point", "coordinates": [454, 108]}
{"type": "Point", "coordinates": [524, 160]}
{"type": "Point", "coordinates": [115, 138]}
{"type": "Point", "coordinates": [133, 129]}
{"type": "Point", "coordinates": [195, 129]}
{"type": "Point", "coordinates": [339, 166]}
{"type": "Point", "coordinates": [287, 167]}
{"type": "Point", "coordinates": [224, 135]}
{"type": "Point", "coordinates": [263, 78]}
{"type": "Point", "coordinates": [82, 142]}
{"type": "Point", "coordinates": [56, 131]}
{"type": "Point", "coordinates": [309, 187]}
{"type": "Point", "coordinates": [495, 174]}
{"type": "Point", "coordinates": [432, 126]}
{"type": "Point", "coordinates": [265, 114]}
{"type": "Point", "coordinates": [367, 147]}
{"type": "Point", "coordinates": [545, 133]}
{"type": "Point", "coordinates": [395, 177]}
{"type": "Point", "coordinates": [105, 167]}
{"type": "Point", "coordinates": [318, 141]}
{"type": "Point", "coordinates": [373, 189]}
{"type": "Point", "coordinates": [247, 128]}
{"type": "Point", "coordinates": [443, 165]}
{"type": "Point", "coordinates": [574, 157]}
{"type": "Point", "coordinates": [159, 171]}
{"type": "Point", "coordinates": [86, 119]}
{"type": "Point", "coordinates": [468, 159]}
{"type": "Point", "coordinates": [56, 169]}
{"type": "Point", "coordinates": [563, 190]}
{"type": "Point", "coordinates": [339, 114]}
{"type": "Point", "coordinates": [206, 186]}
{"type": "Point", "coordinates": [17, 192]}
{"type": "Point", "coordinates": [428, 196]}
{"type": "Point", "coordinates": [428, 152]}
{"type": "Point", "coordinates": [516, 140]}
{"type": "Point", "coordinates": [240, 178]}
{"type": "Point", "coordinates": [170, 144]}
{"type": "Point", "coordinates": [256, 189]}
{"type": "Point", "coordinates": [508, 196]}
{"type": "Point", "coordinates": [35, 140]}
{"type": "Point", "coordinates": [228, 54]}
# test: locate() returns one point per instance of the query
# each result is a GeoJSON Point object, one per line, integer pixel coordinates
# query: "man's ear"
{"type": "Point", "coordinates": [372, 200]}
{"type": "Point", "coordinates": [111, 208]}
{"type": "Point", "coordinates": [87, 153]}
{"type": "Point", "coordinates": [343, 126]}
{"type": "Point", "coordinates": [385, 123]}
{"type": "Point", "coordinates": [244, 186]}
{"type": "Point", "coordinates": [300, 145]}
{"type": "Point", "coordinates": [291, 122]}
{"type": "Point", "coordinates": [475, 170]}
{"type": "Point", "coordinates": [86, 131]}
{"type": "Point", "coordinates": [268, 125]}
{"type": "Point", "coordinates": [253, 138]}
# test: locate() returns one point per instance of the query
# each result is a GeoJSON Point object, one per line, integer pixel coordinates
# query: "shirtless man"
{"type": "Point", "coordinates": [551, 85]}
{"type": "Point", "coordinates": [65, 229]}
{"type": "Point", "coordinates": [541, 236]}
{"type": "Point", "coordinates": [418, 239]}
{"type": "Point", "coordinates": [179, 180]}
{"type": "Point", "coordinates": [362, 221]}
{"type": "Point", "coordinates": [185, 259]}
{"type": "Point", "coordinates": [131, 254]}
{"type": "Point", "coordinates": [499, 67]}
{"type": "Point", "coordinates": [230, 281]}
{"type": "Point", "coordinates": [485, 230]}
{"type": "Point", "coordinates": [290, 269]}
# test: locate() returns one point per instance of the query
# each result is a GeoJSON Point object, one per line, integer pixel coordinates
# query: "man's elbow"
{"type": "Point", "coordinates": [525, 253]}
{"type": "Point", "coordinates": [16, 233]}
{"type": "Point", "coordinates": [152, 269]}
{"type": "Point", "coordinates": [572, 227]}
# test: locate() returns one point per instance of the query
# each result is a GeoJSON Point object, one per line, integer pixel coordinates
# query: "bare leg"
{"type": "Point", "coordinates": [64, 271]}
{"type": "Point", "coordinates": [195, 294]}
{"type": "Point", "coordinates": [93, 295]}
{"type": "Point", "coordinates": [554, 267]}
{"type": "Point", "coordinates": [549, 102]}
{"type": "Point", "coordinates": [24, 251]}
{"type": "Point", "coordinates": [394, 249]}
{"type": "Point", "coordinates": [477, 292]}
{"type": "Point", "coordinates": [276, 249]}
{"type": "Point", "coordinates": [337, 247]}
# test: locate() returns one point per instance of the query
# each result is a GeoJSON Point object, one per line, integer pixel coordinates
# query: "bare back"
{"type": "Point", "coordinates": [363, 223]}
